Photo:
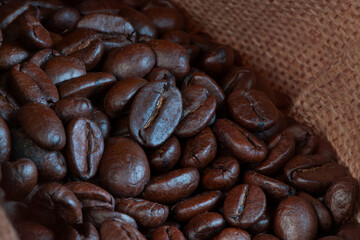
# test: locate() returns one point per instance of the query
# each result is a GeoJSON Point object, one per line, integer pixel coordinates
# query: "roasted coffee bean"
{"type": "Point", "coordinates": [11, 11]}
{"type": "Point", "coordinates": [221, 174]}
{"type": "Point", "coordinates": [102, 120]}
{"type": "Point", "coordinates": [158, 3]}
{"type": "Point", "coordinates": [87, 231]}
{"type": "Point", "coordinates": [112, 43]}
{"type": "Point", "coordinates": [238, 79]}
{"type": "Point", "coordinates": [306, 140]}
{"type": "Point", "coordinates": [295, 218]}
{"type": "Point", "coordinates": [272, 187]}
{"type": "Point", "coordinates": [56, 38]}
{"type": "Point", "coordinates": [323, 214]}
{"type": "Point", "coordinates": [217, 61]}
{"type": "Point", "coordinates": [85, 146]}
{"type": "Point", "coordinates": [51, 165]}
{"type": "Point", "coordinates": [113, 229]}
{"type": "Point", "coordinates": [16, 211]}
{"type": "Point", "coordinates": [73, 107]}
{"type": "Point", "coordinates": [198, 109]}
{"type": "Point", "coordinates": [8, 107]}
{"type": "Point", "coordinates": [42, 56]}
{"type": "Point", "coordinates": [232, 234]}
{"type": "Point", "coordinates": [243, 145]}
{"type": "Point", "coordinates": [244, 205]}
{"type": "Point", "coordinates": [120, 96]}
{"type": "Point", "coordinates": [172, 186]}
{"type": "Point", "coordinates": [207, 82]}
{"type": "Point", "coordinates": [178, 36]}
{"type": "Point", "coordinates": [204, 202]}
{"type": "Point", "coordinates": [263, 225]}
{"type": "Point", "coordinates": [120, 127]}
{"type": "Point", "coordinates": [171, 56]}
{"type": "Point", "coordinates": [19, 178]}
{"type": "Point", "coordinates": [265, 237]}
{"type": "Point", "coordinates": [5, 142]}
{"type": "Point", "coordinates": [91, 195]}
{"type": "Point", "coordinates": [97, 216]}
{"type": "Point", "coordinates": [281, 149]}
{"type": "Point", "coordinates": [313, 173]}
{"type": "Point", "coordinates": [350, 231]}
{"type": "Point", "coordinates": [109, 24]}
{"type": "Point", "coordinates": [60, 69]}
{"type": "Point", "coordinates": [124, 168]}
{"type": "Point", "coordinates": [146, 213]}
{"type": "Point", "coordinates": [199, 150]}
{"type": "Point", "coordinates": [342, 198]}
{"type": "Point", "coordinates": [165, 157]}
{"type": "Point", "coordinates": [58, 203]}
{"type": "Point", "coordinates": [325, 148]}
{"type": "Point", "coordinates": [161, 74]}
{"type": "Point", "coordinates": [167, 233]}
{"type": "Point", "coordinates": [42, 125]}
{"type": "Point", "coordinates": [87, 7]}
{"type": "Point", "coordinates": [204, 226]}
{"type": "Point", "coordinates": [11, 53]}
{"type": "Point", "coordinates": [155, 113]}
{"type": "Point", "coordinates": [165, 19]}
{"type": "Point", "coordinates": [30, 230]}
{"type": "Point", "coordinates": [270, 133]}
{"type": "Point", "coordinates": [63, 20]}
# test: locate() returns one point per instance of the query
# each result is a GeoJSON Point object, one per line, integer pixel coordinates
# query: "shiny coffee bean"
{"type": "Point", "coordinates": [217, 61]}
{"type": "Point", "coordinates": [165, 19]}
{"type": "Point", "coordinates": [295, 218]}
{"type": "Point", "coordinates": [221, 174]}
{"type": "Point", "coordinates": [161, 74]}
{"type": "Point", "coordinates": [313, 173]}
{"type": "Point", "coordinates": [73, 107]}
{"type": "Point", "coordinates": [84, 149]}
{"type": "Point", "coordinates": [350, 231]}
{"type": "Point", "coordinates": [30, 230]}
{"type": "Point", "coordinates": [11, 53]}
{"type": "Point", "coordinates": [63, 20]}
{"type": "Point", "coordinates": [265, 237]}
{"type": "Point", "coordinates": [87, 231]}
{"type": "Point", "coordinates": [172, 186]}
{"type": "Point", "coordinates": [232, 234]}
{"type": "Point", "coordinates": [42, 56]}
{"type": "Point", "coordinates": [5, 141]}
{"type": "Point", "coordinates": [178, 36]}
{"type": "Point", "coordinates": [16, 211]}
{"type": "Point", "coordinates": [155, 113]}
{"type": "Point", "coordinates": [42, 125]}
{"type": "Point", "coordinates": [325, 148]}
{"type": "Point", "coordinates": [199, 150]}
{"type": "Point", "coordinates": [113, 229]}
{"type": "Point", "coordinates": [238, 79]}
{"type": "Point", "coordinates": [102, 120]}
{"type": "Point", "coordinates": [124, 169]}
{"type": "Point", "coordinates": [198, 109]}
{"type": "Point", "coordinates": [167, 233]}
{"type": "Point", "coordinates": [204, 226]}
{"type": "Point", "coordinates": [146, 213]}
{"type": "Point", "coordinates": [120, 96]}
{"type": "Point", "coordinates": [204, 202]}
{"type": "Point", "coordinates": [243, 145]}
{"type": "Point", "coordinates": [165, 157]}
{"type": "Point", "coordinates": [11, 11]}
{"type": "Point", "coordinates": [342, 198]}
{"type": "Point", "coordinates": [305, 138]}
{"type": "Point", "coordinates": [8, 107]}
{"type": "Point", "coordinates": [244, 205]}
{"type": "Point", "coordinates": [98, 216]}
{"type": "Point", "coordinates": [19, 178]}
{"type": "Point", "coordinates": [263, 225]}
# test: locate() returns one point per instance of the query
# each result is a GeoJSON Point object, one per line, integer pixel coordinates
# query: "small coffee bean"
{"type": "Point", "coordinates": [204, 226]}
{"type": "Point", "coordinates": [63, 20]}
{"type": "Point", "coordinates": [102, 120]}
{"type": "Point", "coordinates": [217, 61]}
{"type": "Point", "coordinates": [238, 79]}
{"type": "Point", "coordinates": [232, 234]}
{"type": "Point", "coordinates": [113, 229]}
{"type": "Point", "coordinates": [325, 148]}
{"type": "Point", "coordinates": [11, 54]}
{"type": "Point", "coordinates": [263, 225]}
{"type": "Point", "coordinates": [165, 19]}
{"type": "Point", "coordinates": [178, 36]}
{"type": "Point", "coordinates": [305, 138]}
{"type": "Point", "coordinates": [161, 74]}
{"type": "Point", "coordinates": [167, 233]}
{"type": "Point", "coordinates": [73, 107]}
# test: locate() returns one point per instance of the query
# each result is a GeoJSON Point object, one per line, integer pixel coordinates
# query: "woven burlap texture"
{"type": "Point", "coordinates": [309, 49]}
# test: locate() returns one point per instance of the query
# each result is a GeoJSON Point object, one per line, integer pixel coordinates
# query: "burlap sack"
{"type": "Point", "coordinates": [309, 49]}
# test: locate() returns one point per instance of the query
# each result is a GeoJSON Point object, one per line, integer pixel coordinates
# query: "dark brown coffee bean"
{"type": "Point", "coordinates": [51, 165]}
{"type": "Point", "coordinates": [165, 19]}
{"type": "Point", "coordinates": [73, 107]}
{"type": "Point", "coordinates": [11, 11]}
{"type": "Point", "coordinates": [11, 54]}
{"type": "Point", "coordinates": [270, 133]}
{"type": "Point", "coordinates": [167, 233]}
{"type": "Point", "coordinates": [198, 109]}
{"type": "Point", "coordinates": [238, 79]}
{"type": "Point", "coordinates": [239, 142]}
{"type": "Point", "coordinates": [16, 211]}
{"type": "Point", "coordinates": [272, 187]}
{"type": "Point", "coordinates": [323, 214]}
{"type": "Point", "coordinates": [124, 168]}
{"type": "Point", "coordinates": [57, 202]}
{"type": "Point", "coordinates": [217, 61]}
{"type": "Point", "coordinates": [60, 69]}
{"type": "Point", "coordinates": [350, 231]}
{"type": "Point", "coordinates": [8, 107]}
{"type": "Point", "coordinates": [173, 186]}
{"type": "Point", "coordinates": [87, 7]}
{"type": "Point", "coordinates": [263, 225]}
{"type": "Point", "coordinates": [199, 150]}
{"type": "Point", "coordinates": [19, 178]}
{"type": "Point", "coordinates": [91, 195]}
{"type": "Point", "coordinates": [342, 198]}
{"type": "Point", "coordinates": [178, 36]}
{"type": "Point", "coordinates": [113, 229]}
{"type": "Point", "coordinates": [146, 213]}
{"type": "Point", "coordinates": [161, 74]}
{"type": "Point", "coordinates": [325, 148]}
{"type": "Point", "coordinates": [97, 216]}
{"type": "Point", "coordinates": [232, 234]}
{"type": "Point", "coordinates": [86, 231]}
{"type": "Point", "coordinates": [165, 157]}
{"type": "Point", "coordinates": [156, 103]}
{"type": "Point", "coordinates": [171, 56]}
{"type": "Point", "coordinates": [112, 43]}
{"type": "Point", "coordinates": [305, 138]}
{"type": "Point", "coordinates": [29, 230]}
{"type": "Point", "coordinates": [56, 38]}
{"type": "Point", "coordinates": [5, 142]}
{"type": "Point", "coordinates": [120, 96]}
{"type": "Point", "coordinates": [204, 226]}
{"type": "Point", "coordinates": [85, 147]}
{"type": "Point", "coordinates": [63, 20]}
{"type": "Point", "coordinates": [244, 205]}
{"type": "Point", "coordinates": [282, 148]}
{"type": "Point", "coordinates": [313, 173]}
{"type": "Point", "coordinates": [221, 174]}
{"type": "Point", "coordinates": [204, 202]}
{"type": "Point", "coordinates": [89, 85]}
{"type": "Point", "coordinates": [295, 218]}
{"type": "Point", "coordinates": [42, 125]}
{"type": "Point", "coordinates": [265, 237]}
{"type": "Point", "coordinates": [158, 3]}
{"type": "Point", "coordinates": [102, 120]}
{"type": "Point", "coordinates": [120, 127]}
{"type": "Point", "coordinates": [42, 56]}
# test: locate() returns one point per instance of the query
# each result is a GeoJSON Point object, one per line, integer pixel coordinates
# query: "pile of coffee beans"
{"type": "Point", "coordinates": [117, 122]}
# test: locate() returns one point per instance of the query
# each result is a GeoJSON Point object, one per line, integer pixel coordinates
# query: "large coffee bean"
{"type": "Point", "coordinates": [11, 54]}
{"type": "Point", "coordinates": [238, 79]}
{"type": "Point", "coordinates": [232, 234]}
{"type": "Point", "coordinates": [167, 232]}
{"type": "Point", "coordinates": [204, 226]}
{"type": "Point", "coordinates": [63, 20]}
{"type": "Point", "coordinates": [305, 138]}
{"type": "Point", "coordinates": [113, 230]}
{"type": "Point", "coordinates": [73, 107]}
{"type": "Point", "coordinates": [29, 230]}
{"type": "Point", "coordinates": [165, 19]}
